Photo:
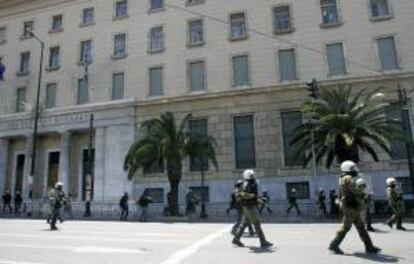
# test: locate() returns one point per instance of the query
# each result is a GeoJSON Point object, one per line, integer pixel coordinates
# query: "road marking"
{"type": "Point", "coordinates": [193, 248]}
{"type": "Point", "coordinates": [77, 249]}
{"type": "Point", "coordinates": [129, 233]}
{"type": "Point", "coordinates": [17, 262]}
{"type": "Point", "coordinates": [89, 238]}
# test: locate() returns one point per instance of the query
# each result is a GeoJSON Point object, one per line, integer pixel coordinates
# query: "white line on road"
{"type": "Point", "coordinates": [193, 248]}
{"type": "Point", "coordinates": [109, 250]}
{"type": "Point", "coordinates": [17, 262]}
{"type": "Point", "coordinates": [89, 238]}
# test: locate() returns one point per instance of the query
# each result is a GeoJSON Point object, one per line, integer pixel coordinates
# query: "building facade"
{"type": "Point", "coordinates": [240, 67]}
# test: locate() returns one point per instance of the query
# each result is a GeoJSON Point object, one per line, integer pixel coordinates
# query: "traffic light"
{"type": "Point", "coordinates": [313, 89]}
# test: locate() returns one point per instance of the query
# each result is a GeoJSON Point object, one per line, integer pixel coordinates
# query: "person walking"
{"type": "Point", "coordinates": [191, 200]}
{"type": "Point", "coordinates": [57, 197]}
{"type": "Point", "coordinates": [239, 209]}
{"type": "Point", "coordinates": [18, 200]}
{"type": "Point", "coordinates": [321, 201]}
{"type": "Point", "coordinates": [143, 202]}
{"type": "Point", "coordinates": [123, 204]}
{"type": "Point", "coordinates": [351, 202]}
{"type": "Point", "coordinates": [248, 197]}
{"type": "Point", "coordinates": [7, 201]}
{"type": "Point", "coordinates": [395, 203]}
{"type": "Point", "coordinates": [264, 203]}
{"type": "Point", "coordinates": [292, 199]}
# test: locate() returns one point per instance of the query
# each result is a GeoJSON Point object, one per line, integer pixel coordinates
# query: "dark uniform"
{"type": "Point", "coordinates": [191, 201]}
{"type": "Point", "coordinates": [351, 202]}
{"type": "Point", "coordinates": [248, 197]}
{"type": "Point", "coordinates": [57, 200]}
{"type": "Point", "coordinates": [293, 202]}
{"type": "Point", "coordinates": [123, 203]}
{"type": "Point", "coordinates": [238, 207]}
{"type": "Point", "coordinates": [332, 199]}
{"type": "Point", "coordinates": [396, 204]}
{"type": "Point", "coordinates": [265, 199]}
{"type": "Point", "coordinates": [143, 202]}
{"type": "Point", "coordinates": [7, 201]}
{"type": "Point", "coordinates": [321, 201]}
{"type": "Point", "coordinates": [17, 202]}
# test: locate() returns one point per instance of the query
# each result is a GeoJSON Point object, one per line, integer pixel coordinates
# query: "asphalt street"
{"type": "Point", "coordinates": [31, 242]}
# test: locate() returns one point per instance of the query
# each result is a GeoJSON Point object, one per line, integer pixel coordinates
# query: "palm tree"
{"type": "Point", "coordinates": [164, 142]}
{"type": "Point", "coordinates": [343, 125]}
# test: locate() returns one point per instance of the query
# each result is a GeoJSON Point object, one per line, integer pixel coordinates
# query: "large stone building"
{"type": "Point", "coordinates": [239, 66]}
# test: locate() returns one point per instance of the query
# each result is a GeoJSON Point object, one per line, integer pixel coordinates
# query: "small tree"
{"type": "Point", "coordinates": [164, 142]}
{"type": "Point", "coordinates": [343, 125]}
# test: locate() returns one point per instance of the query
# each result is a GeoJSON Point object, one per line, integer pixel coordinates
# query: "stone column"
{"type": "Point", "coordinates": [99, 169]}
{"type": "Point", "coordinates": [64, 159]}
{"type": "Point", "coordinates": [4, 152]}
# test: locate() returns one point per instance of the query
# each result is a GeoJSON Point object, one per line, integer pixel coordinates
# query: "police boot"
{"type": "Point", "coordinates": [399, 225]}
{"type": "Point", "coordinates": [334, 246]}
{"type": "Point", "coordinates": [266, 244]}
{"type": "Point", "coordinates": [236, 241]}
{"type": "Point", "coordinates": [369, 247]}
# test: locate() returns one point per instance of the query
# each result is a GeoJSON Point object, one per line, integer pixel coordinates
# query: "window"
{"type": "Point", "coordinates": [120, 45]}
{"type": "Point", "coordinates": [2, 35]}
{"type": "Point", "coordinates": [398, 146]}
{"type": "Point", "coordinates": [196, 75]}
{"type": "Point", "coordinates": [156, 39]}
{"type": "Point", "coordinates": [24, 63]}
{"type": "Point", "coordinates": [195, 2]}
{"type": "Point", "coordinates": [405, 185]}
{"type": "Point", "coordinates": [28, 27]}
{"type": "Point", "coordinates": [88, 16]}
{"type": "Point", "coordinates": [195, 32]}
{"type": "Point", "coordinates": [330, 13]}
{"type": "Point", "coordinates": [387, 53]}
{"type": "Point", "coordinates": [200, 191]}
{"type": "Point", "coordinates": [57, 23]}
{"type": "Point", "coordinates": [54, 57]}
{"type": "Point", "coordinates": [156, 194]}
{"type": "Point", "coordinates": [302, 189]}
{"type": "Point", "coordinates": [21, 99]}
{"type": "Point", "coordinates": [157, 5]}
{"type": "Point", "coordinates": [121, 9]}
{"type": "Point", "coordinates": [198, 127]}
{"type": "Point", "coordinates": [290, 121]}
{"type": "Point", "coordinates": [50, 95]}
{"type": "Point", "coordinates": [85, 52]}
{"type": "Point", "coordinates": [155, 81]}
{"type": "Point", "coordinates": [287, 65]}
{"type": "Point", "coordinates": [379, 8]}
{"type": "Point", "coordinates": [118, 83]}
{"type": "Point", "coordinates": [244, 142]}
{"type": "Point", "coordinates": [83, 93]}
{"type": "Point", "coordinates": [241, 74]}
{"type": "Point", "coordinates": [238, 28]}
{"type": "Point", "coordinates": [282, 20]}
{"type": "Point", "coordinates": [336, 59]}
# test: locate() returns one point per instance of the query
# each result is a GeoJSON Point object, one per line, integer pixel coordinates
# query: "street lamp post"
{"type": "Point", "coordinates": [36, 113]}
{"type": "Point", "coordinates": [203, 213]}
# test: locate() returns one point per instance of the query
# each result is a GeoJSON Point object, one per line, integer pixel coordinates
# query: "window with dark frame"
{"type": "Point", "coordinates": [198, 127]}
{"type": "Point", "coordinates": [336, 59]}
{"type": "Point", "coordinates": [85, 52]}
{"type": "Point", "coordinates": [54, 57]}
{"type": "Point", "coordinates": [330, 12]}
{"type": "Point", "coordinates": [290, 121]}
{"type": "Point", "coordinates": [156, 81]}
{"type": "Point", "coordinates": [118, 86]}
{"type": "Point", "coordinates": [282, 19]}
{"type": "Point", "coordinates": [24, 62]}
{"type": "Point", "coordinates": [50, 101]}
{"type": "Point", "coordinates": [83, 92]}
{"type": "Point", "coordinates": [21, 99]}
{"type": "Point", "coordinates": [195, 32]}
{"type": "Point", "coordinates": [398, 146]}
{"type": "Point", "coordinates": [121, 9]}
{"type": "Point", "coordinates": [387, 53]}
{"type": "Point", "coordinates": [244, 141]}
{"type": "Point", "coordinates": [157, 39]}
{"type": "Point", "coordinates": [197, 79]}
{"type": "Point", "coordinates": [238, 27]}
{"type": "Point", "coordinates": [157, 5]}
{"type": "Point", "coordinates": [287, 65]}
{"type": "Point", "coordinates": [57, 23]}
{"type": "Point", "coordinates": [241, 71]}
{"type": "Point", "coordinates": [28, 27]}
{"type": "Point", "coordinates": [380, 8]}
{"type": "Point", "coordinates": [195, 2]}
{"type": "Point", "coordinates": [2, 35]}
{"type": "Point", "coordinates": [88, 16]}
{"type": "Point", "coordinates": [120, 45]}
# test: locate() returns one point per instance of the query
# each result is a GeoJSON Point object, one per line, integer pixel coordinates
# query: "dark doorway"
{"type": "Point", "coordinates": [87, 184]}
{"type": "Point", "coordinates": [53, 169]}
{"type": "Point", "coordinates": [18, 184]}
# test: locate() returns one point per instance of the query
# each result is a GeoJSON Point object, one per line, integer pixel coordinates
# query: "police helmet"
{"type": "Point", "coordinates": [349, 166]}
{"type": "Point", "coordinates": [238, 183]}
{"type": "Point", "coordinates": [58, 184]}
{"type": "Point", "coordinates": [360, 183]}
{"type": "Point", "coordinates": [391, 181]}
{"type": "Point", "coordinates": [248, 174]}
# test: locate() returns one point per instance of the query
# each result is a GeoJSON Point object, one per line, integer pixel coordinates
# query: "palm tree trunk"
{"type": "Point", "coordinates": [173, 206]}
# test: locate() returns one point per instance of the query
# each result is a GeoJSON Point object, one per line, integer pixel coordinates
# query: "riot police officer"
{"type": "Point", "coordinates": [248, 197]}
{"type": "Point", "coordinates": [396, 204]}
{"type": "Point", "coordinates": [57, 200]}
{"type": "Point", "coordinates": [350, 204]}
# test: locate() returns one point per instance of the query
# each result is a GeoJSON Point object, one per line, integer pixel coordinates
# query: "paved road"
{"type": "Point", "coordinates": [30, 242]}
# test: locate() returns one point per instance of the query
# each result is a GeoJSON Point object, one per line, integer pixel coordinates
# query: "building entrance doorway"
{"type": "Point", "coordinates": [53, 169]}
{"type": "Point", "coordinates": [19, 173]}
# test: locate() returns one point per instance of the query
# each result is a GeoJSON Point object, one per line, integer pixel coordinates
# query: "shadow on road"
{"type": "Point", "coordinates": [383, 258]}
{"type": "Point", "coordinates": [259, 250]}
